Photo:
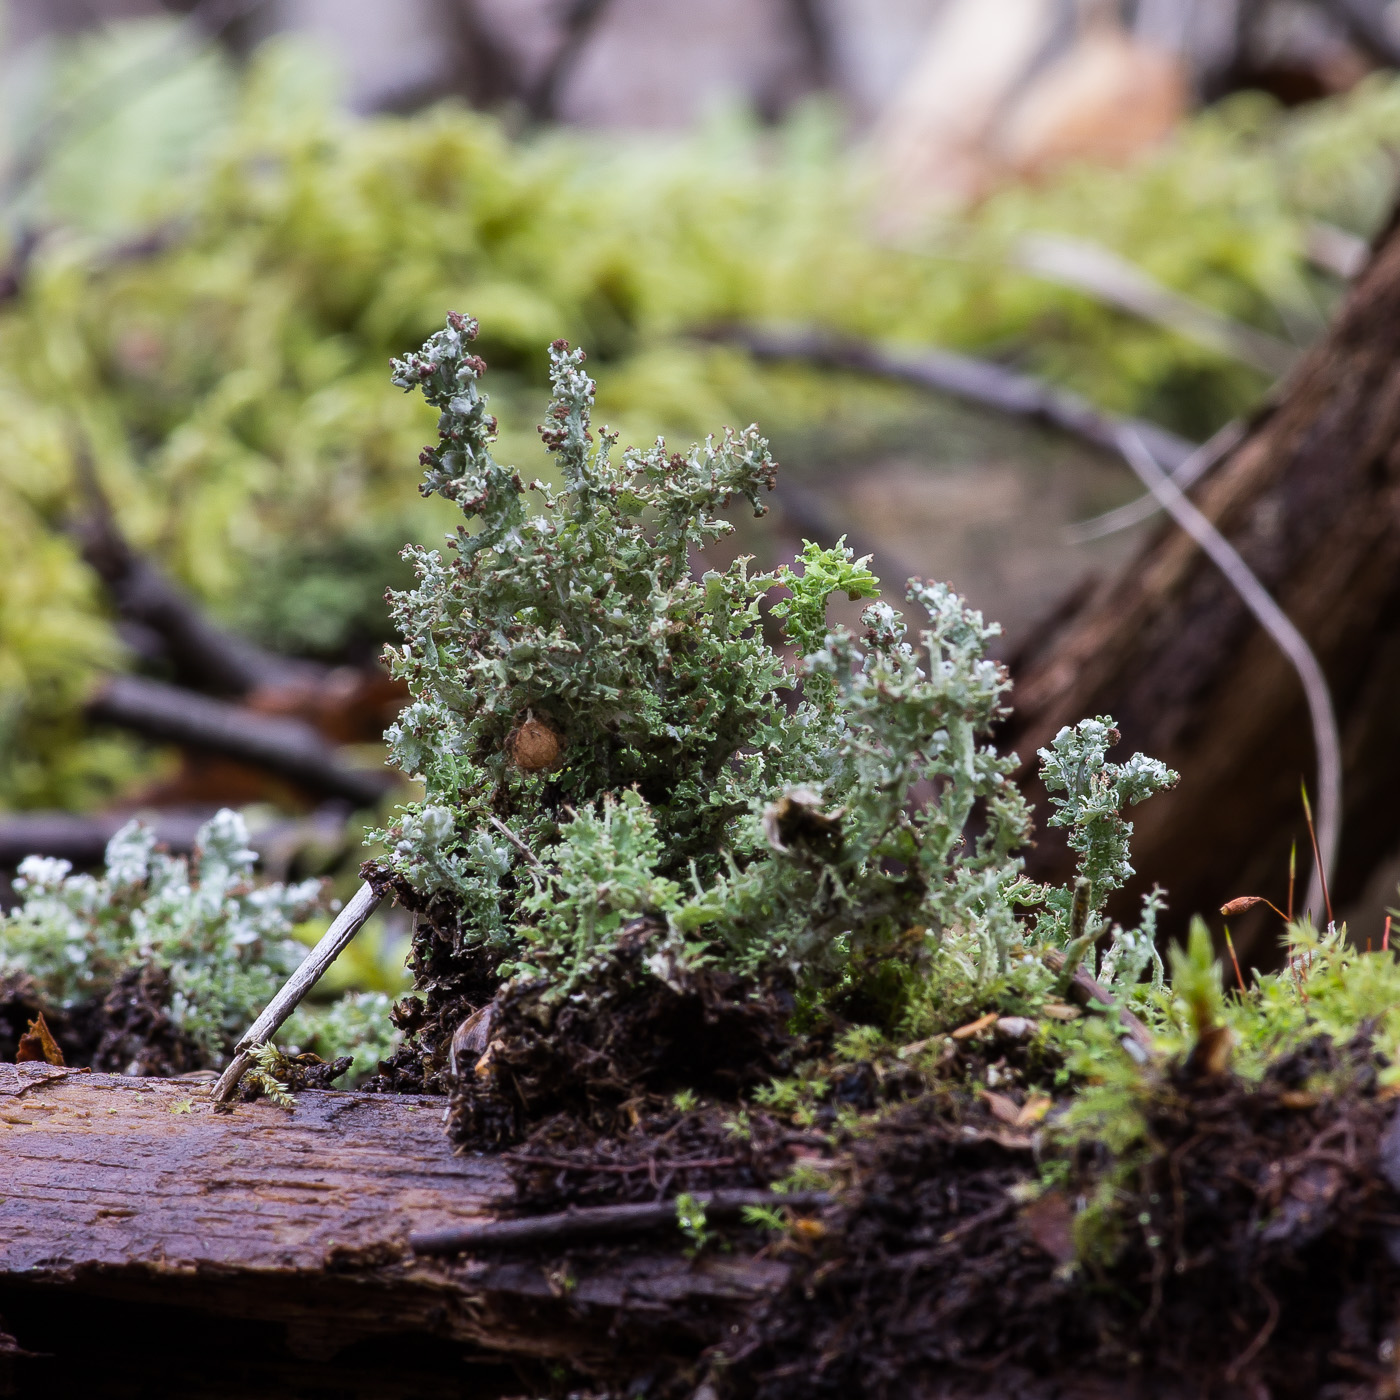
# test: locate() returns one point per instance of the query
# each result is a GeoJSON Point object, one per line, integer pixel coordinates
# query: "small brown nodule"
{"type": "Point", "coordinates": [1238, 906]}
{"type": "Point", "coordinates": [534, 746]}
{"type": "Point", "coordinates": [1248, 901]}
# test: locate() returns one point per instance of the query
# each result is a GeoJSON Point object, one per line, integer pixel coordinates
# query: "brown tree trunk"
{"type": "Point", "coordinates": [1311, 500]}
{"type": "Point", "coordinates": [150, 1245]}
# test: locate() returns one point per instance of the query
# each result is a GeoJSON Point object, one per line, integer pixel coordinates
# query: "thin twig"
{"type": "Point", "coordinates": [334, 941]}
{"type": "Point", "coordinates": [289, 747]}
{"type": "Point", "coordinates": [1215, 449]}
{"type": "Point", "coordinates": [1326, 738]}
{"type": "Point", "coordinates": [962, 377]}
{"type": "Point", "coordinates": [1085, 989]}
{"type": "Point", "coordinates": [622, 1168]}
{"type": "Point", "coordinates": [515, 841]}
{"type": "Point", "coordinates": [598, 1221]}
{"type": "Point", "coordinates": [1103, 274]}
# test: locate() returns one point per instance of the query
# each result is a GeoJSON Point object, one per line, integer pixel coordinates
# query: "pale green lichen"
{"type": "Point", "coordinates": [859, 838]}
{"type": "Point", "coordinates": [223, 940]}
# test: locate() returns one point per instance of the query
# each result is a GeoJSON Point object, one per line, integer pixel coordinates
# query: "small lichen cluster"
{"type": "Point", "coordinates": [221, 941]}
{"type": "Point", "coordinates": [830, 813]}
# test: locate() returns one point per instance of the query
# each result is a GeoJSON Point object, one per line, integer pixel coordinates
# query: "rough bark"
{"type": "Point", "coordinates": [1311, 499]}
{"type": "Point", "coordinates": [142, 1233]}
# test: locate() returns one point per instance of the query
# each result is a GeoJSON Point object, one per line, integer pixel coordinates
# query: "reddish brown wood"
{"type": "Point", "coordinates": [1311, 499]}
{"type": "Point", "coordinates": [278, 1241]}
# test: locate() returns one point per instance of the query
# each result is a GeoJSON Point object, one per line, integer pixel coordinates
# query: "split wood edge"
{"type": "Point", "coordinates": [334, 941]}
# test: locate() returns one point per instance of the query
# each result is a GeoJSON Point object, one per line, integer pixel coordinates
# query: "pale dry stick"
{"type": "Point", "coordinates": [333, 942]}
{"type": "Point", "coordinates": [1102, 274]}
{"type": "Point", "coordinates": [516, 842]}
{"type": "Point", "coordinates": [1290, 641]}
{"type": "Point", "coordinates": [1184, 476]}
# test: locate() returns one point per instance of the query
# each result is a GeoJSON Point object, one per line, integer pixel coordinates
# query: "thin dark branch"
{"type": "Point", "coordinates": [581, 18]}
{"type": "Point", "coordinates": [487, 72]}
{"type": "Point", "coordinates": [809, 19]}
{"type": "Point", "coordinates": [962, 377]}
{"type": "Point", "coordinates": [82, 837]}
{"type": "Point", "coordinates": [672, 1164]}
{"type": "Point", "coordinates": [204, 656]}
{"type": "Point", "coordinates": [1368, 24]}
{"type": "Point", "coordinates": [290, 748]}
{"type": "Point", "coordinates": [599, 1222]}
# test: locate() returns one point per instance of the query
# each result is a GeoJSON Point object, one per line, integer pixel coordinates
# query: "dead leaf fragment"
{"type": "Point", "coordinates": [1015, 1115]}
{"type": "Point", "coordinates": [472, 1037]}
{"type": "Point", "coordinates": [1050, 1223]}
{"type": "Point", "coordinates": [1033, 1110]}
{"type": "Point", "coordinates": [37, 1043]}
{"type": "Point", "coordinates": [1005, 1109]}
{"type": "Point", "coordinates": [972, 1027]}
{"type": "Point", "coordinates": [1058, 1011]}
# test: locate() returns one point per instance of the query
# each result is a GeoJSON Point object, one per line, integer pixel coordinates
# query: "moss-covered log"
{"type": "Point", "coordinates": [264, 1251]}
{"type": "Point", "coordinates": [1311, 500]}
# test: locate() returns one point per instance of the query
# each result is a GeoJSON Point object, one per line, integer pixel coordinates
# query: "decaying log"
{"type": "Point", "coordinates": [143, 1233]}
{"type": "Point", "coordinates": [1311, 501]}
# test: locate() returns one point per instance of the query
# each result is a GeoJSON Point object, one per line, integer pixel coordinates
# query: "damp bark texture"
{"type": "Point", "coordinates": [1311, 500]}
{"type": "Point", "coordinates": [269, 1248]}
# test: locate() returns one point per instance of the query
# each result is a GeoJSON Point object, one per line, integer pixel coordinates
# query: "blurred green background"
{"type": "Point", "coordinates": [207, 259]}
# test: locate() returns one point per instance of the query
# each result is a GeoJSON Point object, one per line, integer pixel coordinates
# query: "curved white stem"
{"type": "Point", "coordinates": [1326, 737]}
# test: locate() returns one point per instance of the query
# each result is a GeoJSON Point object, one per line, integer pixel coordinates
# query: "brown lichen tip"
{"type": "Point", "coordinates": [533, 746]}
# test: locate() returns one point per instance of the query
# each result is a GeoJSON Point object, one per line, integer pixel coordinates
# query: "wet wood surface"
{"type": "Point", "coordinates": [120, 1192]}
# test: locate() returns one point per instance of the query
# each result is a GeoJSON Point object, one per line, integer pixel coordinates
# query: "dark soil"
{"type": "Point", "coordinates": [455, 983]}
{"type": "Point", "coordinates": [631, 1045]}
{"type": "Point", "coordinates": [1257, 1258]}
{"type": "Point", "coordinates": [129, 1031]}
{"type": "Point", "coordinates": [565, 1163]}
